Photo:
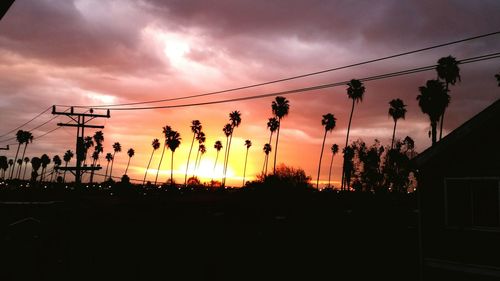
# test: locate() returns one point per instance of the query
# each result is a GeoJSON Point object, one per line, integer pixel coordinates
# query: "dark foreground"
{"type": "Point", "coordinates": [207, 235]}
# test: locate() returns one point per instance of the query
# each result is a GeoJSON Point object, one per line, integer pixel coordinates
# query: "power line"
{"type": "Point", "coordinates": [29, 121]}
{"type": "Point", "coordinates": [313, 88]}
{"type": "Point", "coordinates": [298, 76]}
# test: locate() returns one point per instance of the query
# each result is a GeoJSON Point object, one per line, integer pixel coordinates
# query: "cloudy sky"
{"type": "Point", "coordinates": [107, 52]}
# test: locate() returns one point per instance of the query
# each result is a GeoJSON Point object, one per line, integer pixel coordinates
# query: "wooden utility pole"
{"type": "Point", "coordinates": [80, 122]}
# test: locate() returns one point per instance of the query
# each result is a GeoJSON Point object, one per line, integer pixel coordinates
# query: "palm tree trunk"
{"type": "Point", "coordinates": [24, 152]}
{"type": "Point", "coordinates": [128, 163]}
{"type": "Point", "coordinates": [159, 165]}
{"type": "Point", "coordinates": [106, 173]}
{"type": "Point", "coordinates": [266, 159]}
{"type": "Point", "coordinates": [264, 164]}
{"type": "Point", "coordinates": [330, 172]}
{"type": "Point", "coordinates": [189, 156]}
{"type": "Point", "coordinates": [224, 164]}
{"type": "Point", "coordinates": [172, 170]}
{"type": "Point", "coordinates": [227, 160]}
{"type": "Point", "coordinates": [195, 162]}
{"type": "Point", "coordinates": [215, 165]}
{"type": "Point", "coordinates": [245, 169]}
{"type": "Point", "coordinates": [149, 163]}
{"type": "Point", "coordinates": [15, 161]}
{"type": "Point", "coordinates": [92, 171]}
{"type": "Point", "coordinates": [276, 147]}
{"type": "Point", "coordinates": [198, 165]}
{"type": "Point", "coordinates": [442, 117]}
{"type": "Point", "coordinates": [394, 133]}
{"type": "Point", "coordinates": [51, 174]}
{"type": "Point", "coordinates": [346, 142]}
{"type": "Point", "coordinates": [112, 162]}
{"type": "Point", "coordinates": [434, 132]}
{"type": "Point", "coordinates": [24, 174]}
{"type": "Point", "coordinates": [320, 158]}
{"type": "Point", "coordinates": [64, 175]}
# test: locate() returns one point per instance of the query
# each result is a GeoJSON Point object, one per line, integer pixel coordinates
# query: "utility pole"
{"type": "Point", "coordinates": [80, 122]}
{"type": "Point", "coordinates": [4, 148]}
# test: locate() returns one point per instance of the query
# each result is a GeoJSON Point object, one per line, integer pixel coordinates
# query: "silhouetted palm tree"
{"type": "Point", "coordinates": [201, 138]}
{"type": "Point", "coordinates": [109, 158]}
{"type": "Point", "coordinates": [11, 165]}
{"type": "Point", "coordinates": [98, 148]}
{"type": "Point", "coordinates": [4, 165]}
{"type": "Point", "coordinates": [67, 157]}
{"type": "Point", "coordinates": [335, 150]}
{"type": "Point", "coordinates": [329, 122]}
{"type": "Point", "coordinates": [355, 91]}
{"type": "Point", "coordinates": [196, 128]}
{"type": "Point", "coordinates": [156, 145]}
{"type": "Point", "coordinates": [45, 162]}
{"type": "Point", "coordinates": [280, 107]}
{"type": "Point", "coordinates": [35, 164]}
{"type": "Point", "coordinates": [235, 121]}
{"type": "Point", "coordinates": [28, 137]}
{"type": "Point", "coordinates": [173, 142]}
{"type": "Point", "coordinates": [248, 144]}
{"type": "Point", "coordinates": [266, 149]}
{"type": "Point", "coordinates": [19, 164]}
{"type": "Point", "coordinates": [57, 163]}
{"type": "Point", "coordinates": [167, 130]}
{"type": "Point", "coordinates": [88, 142]}
{"type": "Point", "coordinates": [497, 76]}
{"type": "Point", "coordinates": [130, 154]}
{"type": "Point", "coordinates": [228, 130]}
{"type": "Point", "coordinates": [218, 147]}
{"type": "Point", "coordinates": [397, 111]}
{"type": "Point", "coordinates": [272, 125]}
{"type": "Point", "coordinates": [26, 161]}
{"type": "Point", "coordinates": [20, 137]}
{"type": "Point", "coordinates": [433, 100]}
{"type": "Point", "coordinates": [447, 70]}
{"type": "Point", "coordinates": [202, 149]}
{"type": "Point", "coordinates": [117, 147]}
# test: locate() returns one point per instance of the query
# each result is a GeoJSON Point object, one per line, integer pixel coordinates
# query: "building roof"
{"type": "Point", "coordinates": [489, 114]}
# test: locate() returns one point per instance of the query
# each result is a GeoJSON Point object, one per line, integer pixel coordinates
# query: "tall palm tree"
{"type": "Point", "coordinates": [130, 153]}
{"type": "Point", "coordinates": [11, 165]}
{"type": "Point", "coordinates": [4, 165]}
{"type": "Point", "coordinates": [26, 161]}
{"type": "Point", "coordinates": [98, 148]}
{"type": "Point", "coordinates": [117, 147]}
{"type": "Point", "coordinates": [35, 164]}
{"type": "Point", "coordinates": [45, 162]}
{"type": "Point", "coordinates": [57, 162]}
{"type": "Point", "coordinates": [329, 122]}
{"type": "Point", "coordinates": [266, 149]}
{"type": "Point", "coordinates": [280, 107]}
{"type": "Point", "coordinates": [397, 111]}
{"type": "Point", "coordinates": [156, 145]}
{"type": "Point", "coordinates": [28, 137]}
{"type": "Point", "coordinates": [335, 150]}
{"type": "Point", "coordinates": [196, 128]}
{"type": "Point", "coordinates": [19, 164]}
{"type": "Point", "coordinates": [228, 130]}
{"type": "Point", "coordinates": [173, 142]}
{"type": "Point", "coordinates": [201, 138]}
{"type": "Point", "coordinates": [248, 144]}
{"type": "Point", "coordinates": [272, 125]}
{"type": "Point", "coordinates": [167, 130]}
{"type": "Point", "coordinates": [447, 70]}
{"type": "Point", "coordinates": [218, 147]}
{"type": "Point", "coordinates": [355, 91]}
{"type": "Point", "coordinates": [235, 121]}
{"type": "Point", "coordinates": [88, 142]}
{"type": "Point", "coordinates": [109, 158]}
{"type": "Point", "coordinates": [433, 100]}
{"type": "Point", "coordinates": [67, 157]}
{"type": "Point", "coordinates": [20, 137]}
{"type": "Point", "coordinates": [202, 149]}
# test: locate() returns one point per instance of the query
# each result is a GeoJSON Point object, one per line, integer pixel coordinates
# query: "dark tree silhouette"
{"type": "Point", "coordinates": [45, 162]}
{"type": "Point", "coordinates": [98, 148]}
{"type": "Point", "coordinates": [117, 147]}
{"type": "Point", "coordinates": [35, 164]}
{"type": "Point", "coordinates": [272, 125]}
{"type": "Point", "coordinates": [355, 91]}
{"type": "Point", "coordinates": [167, 130]}
{"type": "Point", "coordinates": [228, 130]}
{"type": "Point", "coordinates": [370, 173]}
{"type": "Point", "coordinates": [19, 164]}
{"type": "Point", "coordinates": [130, 153]}
{"type": "Point", "coordinates": [248, 144]}
{"type": "Point", "coordinates": [11, 165]}
{"type": "Point", "coordinates": [267, 149]}
{"type": "Point", "coordinates": [447, 70]}
{"type": "Point", "coordinates": [348, 167]}
{"type": "Point", "coordinates": [202, 149]}
{"type": "Point", "coordinates": [20, 140]}
{"type": "Point", "coordinates": [57, 163]}
{"type": "Point", "coordinates": [173, 142]}
{"type": "Point", "coordinates": [196, 128]}
{"type": "Point", "coordinates": [88, 142]}
{"type": "Point", "coordinates": [22, 137]}
{"type": "Point", "coordinates": [156, 145]}
{"type": "Point", "coordinates": [398, 165]}
{"type": "Point", "coordinates": [109, 158]}
{"type": "Point", "coordinates": [67, 157]}
{"type": "Point", "coordinates": [497, 76]}
{"type": "Point", "coordinates": [329, 122]}
{"type": "Point", "coordinates": [26, 161]}
{"type": "Point", "coordinates": [335, 150]}
{"type": "Point", "coordinates": [218, 147]}
{"type": "Point", "coordinates": [201, 138]}
{"type": "Point", "coordinates": [235, 121]}
{"type": "Point", "coordinates": [397, 111]}
{"type": "Point", "coordinates": [433, 100]}
{"type": "Point", "coordinates": [4, 165]}
{"type": "Point", "coordinates": [280, 107]}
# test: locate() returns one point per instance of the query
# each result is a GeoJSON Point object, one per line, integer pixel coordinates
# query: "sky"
{"type": "Point", "coordinates": [107, 52]}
